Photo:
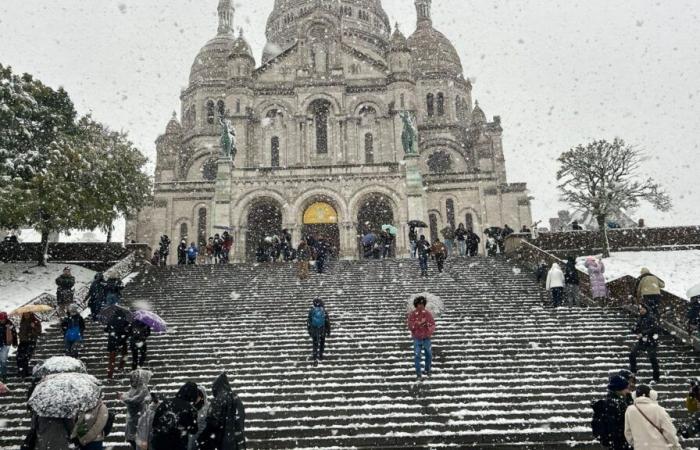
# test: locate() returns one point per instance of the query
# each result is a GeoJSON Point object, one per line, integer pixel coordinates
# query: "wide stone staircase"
{"type": "Point", "coordinates": [509, 372]}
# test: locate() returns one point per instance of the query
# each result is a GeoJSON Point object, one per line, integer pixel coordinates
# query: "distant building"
{"type": "Point", "coordinates": [319, 135]}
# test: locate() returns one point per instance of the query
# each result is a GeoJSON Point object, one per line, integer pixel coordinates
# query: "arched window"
{"type": "Point", "coordinates": [321, 111]}
{"type": "Point", "coordinates": [202, 227]}
{"type": "Point", "coordinates": [369, 148]}
{"type": "Point", "coordinates": [431, 105]}
{"type": "Point", "coordinates": [238, 106]}
{"type": "Point", "coordinates": [469, 221]}
{"type": "Point", "coordinates": [183, 232]}
{"type": "Point", "coordinates": [275, 152]}
{"type": "Point", "coordinates": [450, 207]}
{"type": "Point", "coordinates": [433, 227]}
{"type": "Point", "coordinates": [210, 112]}
{"type": "Point", "coordinates": [221, 108]}
{"type": "Point", "coordinates": [440, 104]}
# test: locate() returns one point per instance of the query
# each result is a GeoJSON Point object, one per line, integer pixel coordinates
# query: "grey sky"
{"type": "Point", "coordinates": [559, 73]}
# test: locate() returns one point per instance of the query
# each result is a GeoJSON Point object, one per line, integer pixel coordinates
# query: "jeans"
{"type": "Point", "coordinates": [423, 261]}
{"type": "Point", "coordinates": [449, 243]}
{"type": "Point", "coordinates": [440, 261]}
{"type": "Point", "coordinates": [413, 249]}
{"type": "Point", "coordinates": [4, 353]}
{"type": "Point", "coordinates": [572, 294]}
{"type": "Point", "coordinates": [318, 336]}
{"type": "Point", "coordinates": [557, 294]}
{"type": "Point", "coordinates": [93, 446]}
{"type": "Point", "coordinates": [462, 245]}
{"type": "Point", "coordinates": [420, 346]}
{"type": "Point", "coordinates": [640, 347]}
{"type": "Point", "coordinates": [73, 348]}
{"type": "Point", "coordinates": [320, 263]}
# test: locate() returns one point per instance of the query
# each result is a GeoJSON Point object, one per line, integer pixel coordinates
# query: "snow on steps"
{"type": "Point", "coordinates": [509, 373]}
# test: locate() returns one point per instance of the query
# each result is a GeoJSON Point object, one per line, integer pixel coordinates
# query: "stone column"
{"type": "Point", "coordinates": [221, 214]}
{"type": "Point", "coordinates": [348, 248]}
{"type": "Point", "coordinates": [416, 206]}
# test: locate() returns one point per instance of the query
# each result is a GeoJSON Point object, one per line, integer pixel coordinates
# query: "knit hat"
{"type": "Point", "coordinates": [3, 315]}
{"type": "Point", "coordinates": [627, 375]}
{"type": "Point", "coordinates": [617, 383]}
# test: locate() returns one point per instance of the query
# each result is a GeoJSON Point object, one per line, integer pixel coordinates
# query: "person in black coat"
{"type": "Point", "coordinates": [225, 429]}
{"type": "Point", "coordinates": [118, 330]}
{"type": "Point", "coordinates": [96, 295]}
{"type": "Point", "coordinates": [473, 241]}
{"type": "Point", "coordinates": [64, 291]}
{"type": "Point", "coordinates": [571, 279]}
{"type": "Point", "coordinates": [137, 342]}
{"type": "Point", "coordinates": [164, 249]}
{"type": "Point", "coordinates": [423, 250]}
{"type": "Point", "coordinates": [182, 253]}
{"type": "Point", "coordinates": [647, 330]}
{"type": "Point", "coordinates": [318, 324]}
{"type": "Point", "coordinates": [8, 339]}
{"type": "Point", "coordinates": [608, 422]}
{"type": "Point", "coordinates": [175, 420]}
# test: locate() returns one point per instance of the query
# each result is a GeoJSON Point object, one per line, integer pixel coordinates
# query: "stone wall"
{"type": "Point", "coordinates": [92, 255]}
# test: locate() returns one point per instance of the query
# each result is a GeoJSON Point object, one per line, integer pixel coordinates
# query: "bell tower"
{"type": "Point", "coordinates": [226, 12]}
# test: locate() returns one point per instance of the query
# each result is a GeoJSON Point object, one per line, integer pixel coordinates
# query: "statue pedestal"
{"type": "Point", "coordinates": [415, 189]}
{"type": "Point", "coordinates": [221, 214]}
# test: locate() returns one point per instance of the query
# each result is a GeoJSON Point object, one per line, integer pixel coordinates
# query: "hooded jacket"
{"type": "Point", "coordinates": [96, 294]}
{"type": "Point", "coordinates": [175, 419]}
{"type": "Point", "coordinates": [555, 277]}
{"type": "Point", "coordinates": [8, 334]}
{"type": "Point", "coordinates": [29, 328]}
{"type": "Point", "coordinates": [649, 284]}
{"type": "Point", "coordinates": [202, 413]}
{"type": "Point", "coordinates": [226, 420]}
{"type": "Point", "coordinates": [643, 435]}
{"type": "Point", "coordinates": [136, 400]}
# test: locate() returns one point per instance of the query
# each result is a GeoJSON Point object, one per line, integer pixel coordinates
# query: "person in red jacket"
{"type": "Point", "coordinates": [422, 326]}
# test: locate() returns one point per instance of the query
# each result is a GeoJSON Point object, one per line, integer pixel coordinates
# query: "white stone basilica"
{"type": "Point", "coordinates": [319, 135]}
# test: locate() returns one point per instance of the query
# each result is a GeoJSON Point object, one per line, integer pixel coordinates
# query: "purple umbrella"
{"type": "Point", "coordinates": [151, 320]}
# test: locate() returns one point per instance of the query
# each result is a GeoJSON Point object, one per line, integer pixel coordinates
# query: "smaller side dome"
{"type": "Point", "coordinates": [241, 48]}
{"type": "Point", "coordinates": [398, 42]}
{"type": "Point", "coordinates": [478, 115]}
{"type": "Point", "coordinates": [173, 126]}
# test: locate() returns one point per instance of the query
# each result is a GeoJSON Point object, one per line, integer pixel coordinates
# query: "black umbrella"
{"type": "Point", "coordinates": [417, 224]}
{"type": "Point", "coordinates": [107, 314]}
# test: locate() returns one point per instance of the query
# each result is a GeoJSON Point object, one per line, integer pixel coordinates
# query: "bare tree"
{"type": "Point", "coordinates": [603, 178]}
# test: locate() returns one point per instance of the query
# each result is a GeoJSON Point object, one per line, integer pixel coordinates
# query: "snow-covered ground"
{"type": "Point", "coordinates": [680, 270]}
{"type": "Point", "coordinates": [21, 282]}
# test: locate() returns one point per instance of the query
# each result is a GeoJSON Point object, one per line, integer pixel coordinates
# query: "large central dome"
{"type": "Point", "coordinates": [365, 25]}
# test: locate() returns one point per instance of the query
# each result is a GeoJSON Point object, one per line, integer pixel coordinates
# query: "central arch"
{"type": "Point", "coordinates": [264, 220]}
{"type": "Point", "coordinates": [374, 211]}
{"type": "Point", "coordinates": [320, 221]}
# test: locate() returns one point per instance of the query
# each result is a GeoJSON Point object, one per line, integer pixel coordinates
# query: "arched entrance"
{"type": "Point", "coordinates": [264, 219]}
{"type": "Point", "coordinates": [321, 221]}
{"type": "Point", "coordinates": [374, 211]}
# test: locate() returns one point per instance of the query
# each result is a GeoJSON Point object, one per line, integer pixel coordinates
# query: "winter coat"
{"type": "Point", "coordinates": [438, 250]}
{"type": "Point", "coordinates": [473, 239]}
{"type": "Point", "coordinates": [448, 233]}
{"type": "Point", "coordinates": [412, 235]}
{"type": "Point", "coordinates": [649, 284]}
{"type": "Point", "coordinates": [647, 326]}
{"type": "Point", "coordinates": [421, 330]}
{"type": "Point", "coordinates": [693, 313]}
{"type": "Point", "coordinates": [96, 294]}
{"type": "Point", "coordinates": [182, 251]}
{"type": "Point", "coordinates": [118, 330]}
{"type": "Point", "coordinates": [555, 277]}
{"type": "Point", "coordinates": [423, 248]}
{"type": "Point", "coordinates": [202, 414]}
{"type": "Point", "coordinates": [192, 252]}
{"type": "Point", "coordinates": [226, 420]}
{"type": "Point", "coordinates": [113, 290]}
{"type": "Point", "coordinates": [596, 271]}
{"type": "Point", "coordinates": [164, 246]}
{"type": "Point", "coordinates": [227, 242]}
{"type": "Point", "coordinates": [139, 332]}
{"type": "Point", "coordinates": [327, 323]}
{"type": "Point", "coordinates": [90, 425]}
{"type": "Point", "coordinates": [175, 419]}
{"type": "Point", "coordinates": [611, 411]}
{"type": "Point", "coordinates": [145, 426]}
{"type": "Point", "coordinates": [571, 273]}
{"type": "Point", "coordinates": [461, 234]}
{"type": "Point", "coordinates": [73, 321]}
{"type": "Point", "coordinates": [8, 334]}
{"type": "Point", "coordinates": [52, 434]}
{"type": "Point", "coordinates": [29, 329]}
{"type": "Point", "coordinates": [136, 400]}
{"type": "Point", "coordinates": [643, 435]}
{"type": "Point", "coordinates": [65, 282]}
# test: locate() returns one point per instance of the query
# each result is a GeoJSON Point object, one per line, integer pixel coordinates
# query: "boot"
{"type": "Point", "coordinates": [110, 365]}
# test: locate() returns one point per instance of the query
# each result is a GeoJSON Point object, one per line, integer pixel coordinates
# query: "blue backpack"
{"type": "Point", "coordinates": [73, 334]}
{"type": "Point", "coordinates": [318, 317]}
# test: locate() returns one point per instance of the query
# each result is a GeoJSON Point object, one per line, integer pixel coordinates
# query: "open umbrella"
{"type": "Point", "coordinates": [59, 364]}
{"type": "Point", "coordinates": [417, 224]}
{"type": "Point", "coordinates": [392, 230]}
{"type": "Point", "coordinates": [31, 309]}
{"type": "Point", "coordinates": [435, 304]}
{"type": "Point", "coordinates": [65, 395]}
{"type": "Point", "coordinates": [151, 320]}
{"type": "Point", "coordinates": [694, 291]}
{"type": "Point", "coordinates": [107, 314]}
{"type": "Point", "coordinates": [369, 239]}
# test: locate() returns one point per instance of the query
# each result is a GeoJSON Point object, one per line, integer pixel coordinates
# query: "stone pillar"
{"type": "Point", "coordinates": [221, 214]}
{"type": "Point", "coordinates": [416, 206]}
{"type": "Point", "coordinates": [348, 247]}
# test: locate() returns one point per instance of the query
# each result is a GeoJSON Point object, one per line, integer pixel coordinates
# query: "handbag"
{"type": "Point", "coordinates": [659, 429]}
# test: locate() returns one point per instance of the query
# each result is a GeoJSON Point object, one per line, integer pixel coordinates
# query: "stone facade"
{"type": "Point", "coordinates": [318, 129]}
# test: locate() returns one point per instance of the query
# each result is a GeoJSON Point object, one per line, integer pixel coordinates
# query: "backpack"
{"type": "Point", "coordinates": [110, 423]}
{"type": "Point", "coordinates": [73, 334]}
{"type": "Point", "coordinates": [165, 422]}
{"type": "Point", "coordinates": [318, 317]}
{"type": "Point", "coordinates": [599, 424]}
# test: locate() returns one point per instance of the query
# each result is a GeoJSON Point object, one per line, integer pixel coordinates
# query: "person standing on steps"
{"type": "Point", "coordinates": [225, 428]}
{"type": "Point", "coordinates": [138, 334]}
{"type": "Point", "coordinates": [448, 233]}
{"type": "Point", "coordinates": [322, 253]}
{"type": "Point", "coordinates": [73, 327]}
{"type": "Point", "coordinates": [413, 240]}
{"type": "Point", "coordinates": [175, 420]}
{"type": "Point", "coordinates": [218, 249]}
{"type": "Point", "coordinates": [209, 251]}
{"type": "Point", "coordinates": [192, 253]}
{"type": "Point", "coordinates": [608, 424]}
{"type": "Point", "coordinates": [647, 330]}
{"type": "Point", "coordinates": [473, 241]}
{"type": "Point", "coordinates": [596, 271]}
{"type": "Point", "coordinates": [423, 250]}
{"type": "Point", "coordinates": [64, 292]}
{"type": "Point", "coordinates": [318, 323]}
{"type": "Point", "coordinates": [439, 252]}
{"type": "Point", "coordinates": [202, 406]}
{"type": "Point", "coordinates": [113, 288]}
{"type": "Point", "coordinates": [647, 424]}
{"type": "Point", "coordinates": [303, 258]}
{"type": "Point", "coordinates": [648, 290]}
{"type": "Point", "coordinates": [96, 297]}
{"type": "Point", "coordinates": [8, 339]}
{"type": "Point", "coordinates": [226, 246]}
{"type": "Point", "coordinates": [182, 253]}
{"type": "Point", "coordinates": [29, 332]}
{"type": "Point", "coordinates": [117, 331]}
{"type": "Point", "coordinates": [572, 281]}
{"type": "Point", "coordinates": [89, 429]}
{"type": "Point", "coordinates": [144, 429]}
{"type": "Point", "coordinates": [461, 237]}
{"type": "Point", "coordinates": [422, 327]}
{"type": "Point", "coordinates": [164, 249]}
{"type": "Point", "coordinates": [555, 284]}
{"type": "Point", "coordinates": [136, 400]}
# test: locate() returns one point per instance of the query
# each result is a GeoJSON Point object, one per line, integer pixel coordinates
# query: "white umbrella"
{"type": "Point", "coordinates": [65, 395]}
{"type": "Point", "coordinates": [59, 364]}
{"type": "Point", "coordinates": [694, 291]}
{"type": "Point", "coordinates": [435, 304]}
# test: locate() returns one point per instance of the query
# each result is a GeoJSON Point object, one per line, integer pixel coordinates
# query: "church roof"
{"type": "Point", "coordinates": [211, 62]}
{"type": "Point", "coordinates": [432, 52]}
{"type": "Point", "coordinates": [398, 42]}
{"type": "Point", "coordinates": [478, 115]}
{"type": "Point", "coordinates": [241, 47]}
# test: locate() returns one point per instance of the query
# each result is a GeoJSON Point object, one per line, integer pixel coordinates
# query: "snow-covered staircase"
{"type": "Point", "coordinates": [508, 372]}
